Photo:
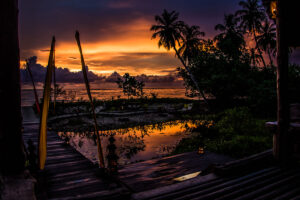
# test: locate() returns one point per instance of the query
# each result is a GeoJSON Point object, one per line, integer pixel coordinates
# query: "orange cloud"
{"type": "Point", "coordinates": [131, 50]}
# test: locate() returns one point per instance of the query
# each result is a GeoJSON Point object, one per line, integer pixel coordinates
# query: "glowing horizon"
{"type": "Point", "coordinates": [135, 43]}
{"type": "Point", "coordinates": [115, 35]}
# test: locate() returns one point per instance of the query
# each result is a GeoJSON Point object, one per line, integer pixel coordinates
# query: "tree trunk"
{"type": "Point", "coordinates": [11, 143]}
{"type": "Point", "coordinates": [281, 147]}
{"type": "Point", "coordinates": [259, 50]}
{"type": "Point", "coordinates": [270, 57]}
{"type": "Point", "coordinates": [191, 75]}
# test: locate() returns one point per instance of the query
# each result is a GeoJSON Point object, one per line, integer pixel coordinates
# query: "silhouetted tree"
{"type": "Point", "coordinates": [169, 30]}
{"type": "Point", "coordinates": [130, 86]}
{"type": "Point", "coordinates": [251, 16]}
{"type": "Point", "coordinates": [254, 57]}
{"type": "Point", "coordinates": [231, 39]}
{"type": "Point", "coordinates": [190, 43]}
{"type": "Point", "coordinates": [267, 39]}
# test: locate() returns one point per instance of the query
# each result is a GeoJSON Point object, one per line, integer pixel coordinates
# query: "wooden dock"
{"type": "Point", "coordinates": [268, 183]}
{"type": "Point", "coordinates": [69, 175]}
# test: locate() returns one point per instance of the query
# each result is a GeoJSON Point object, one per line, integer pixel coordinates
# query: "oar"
{"type": "Point", "coordinates": [100, 153]}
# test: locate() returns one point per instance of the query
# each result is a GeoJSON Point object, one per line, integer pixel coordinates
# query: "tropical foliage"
{"type": "Point", "coordinates": [173, 33]}
{"type": "Point", "coordinates": [267, 39]}
{"type": "Point", "coordinates": [234, 132]}
{"type": "Point", "coordinates": [131, 86]}
{"type": "Point", "coordinates": [231, 66]}
{"type": "Point", "coordinates": [231, 39]}
{"type": "Point", "coordinates": [251, 16]}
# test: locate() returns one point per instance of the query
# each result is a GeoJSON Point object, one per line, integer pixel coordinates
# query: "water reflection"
{"type": "Point", "coordinates": [135, 143]}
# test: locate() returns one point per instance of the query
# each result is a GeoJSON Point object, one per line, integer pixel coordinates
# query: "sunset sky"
{"type": "Point", "coordinates": [114, 33]}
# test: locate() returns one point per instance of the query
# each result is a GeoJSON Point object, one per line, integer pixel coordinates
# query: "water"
{"type": "Point", "coordinates": [133, 144]}
{"type": "Point", "coordinates": [102, 91]}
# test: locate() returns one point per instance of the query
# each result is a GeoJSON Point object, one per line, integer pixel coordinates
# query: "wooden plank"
{"type": "Point", "coordinates": [105, 195]}
{"type": "Point", "coordinates": [280, 190]}
{"type": "Point", "coordinates": [253, 187]}
{"type": "Point", "coordinates": [78, 176]}
{"type": "Point", "coordinates": [289, 194]}
{"type": "Point", "coordinates": [117, 194]}
{"type": "Point", "coordinates": [69, 175]}
{"type": "Point", "coordinates": [234, 182]}
{"type": "Point", "coordinates": [270, 187]}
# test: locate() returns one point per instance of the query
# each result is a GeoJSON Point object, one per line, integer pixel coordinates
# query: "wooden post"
{"type": "Point", "coordinates": [11, 143]}
{"type": "Point", "coordinates": [87, 84]}
{"type": "Point", "coordinates": [281, 144]}
{"type": "Point", "coordinates": [37, 104]}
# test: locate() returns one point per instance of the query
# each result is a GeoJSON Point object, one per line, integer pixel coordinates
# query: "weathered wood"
{"type": "Point", "coordinates": [69, 175]}
{"type": "Point", "coordinates": [263, 184]}
{"type": "Point", "coordinates": [269, 188]}
{"type": "Point", "coordinates": [281, 145]}
{"type": "Point", "coordinates": [160, 172]}
{"type": "Point", "coordinates": [256, 161]}
{"type": "Point", "coordinates": [210, 191]}
{"type": "Point", "coordinates": [288, 194]}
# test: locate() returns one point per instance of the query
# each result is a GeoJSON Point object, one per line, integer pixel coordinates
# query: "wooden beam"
{"type": "Point", "coordinates": [281, 143]}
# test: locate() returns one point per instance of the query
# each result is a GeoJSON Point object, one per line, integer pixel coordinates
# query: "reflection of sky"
{"type": "Point", "coordinates": [115, 33]}
{"type": "Point", "coordinates": [159, 140]}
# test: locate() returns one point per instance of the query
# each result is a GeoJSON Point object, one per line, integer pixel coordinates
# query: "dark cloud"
{"type": "Point", "coordinates": [136, 60]}
{"type": "Point", "coordinates": [64, 75]}
{"type": "Point", "coordinates": [103, 20]}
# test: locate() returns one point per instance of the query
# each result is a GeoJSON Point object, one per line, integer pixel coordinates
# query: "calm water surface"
{"type": "Point", "coordinates": [101, 91]}
{"type": "Point", "coordinates": [133, 144]}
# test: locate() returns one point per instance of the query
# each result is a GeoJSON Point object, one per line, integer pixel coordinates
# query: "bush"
{"type": "Point", "coordinates": [236, 121]}
{"type": "Point", "coordinates": [241, 145]}
{"type": "Point", "coordinates": [235, 132]}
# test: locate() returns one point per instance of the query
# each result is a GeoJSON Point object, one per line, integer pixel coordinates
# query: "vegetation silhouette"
{"type": "Point", "coordinates": [251, 15]}
{"type": "Point", "coordinates": [131, 86]}
{"type": "Point", "coordinates": [170, 32]}
{"type": "Point", "coordinates": [231, 39]}
{"type": "Point", "coordinates": [191, 42]}
{"type": "Point", "coordinates": [267, 39]}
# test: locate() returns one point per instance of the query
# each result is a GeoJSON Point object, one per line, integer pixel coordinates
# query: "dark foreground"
{"type": "Point", "coordinates": [69, 175]}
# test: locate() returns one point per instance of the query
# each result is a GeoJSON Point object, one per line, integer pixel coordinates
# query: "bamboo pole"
{"type": "Point", "coordinates": [100, 152]}
{"type": "Point", "coordinates": [34, 88]}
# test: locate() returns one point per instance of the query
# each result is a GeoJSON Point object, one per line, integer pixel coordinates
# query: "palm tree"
{"type": "Point", "coordinates": [251, 15]}
{"type": "Point", "coordinates": [169, 30]}
{"type": "Point", "coordinates": [231, 39]}
{"type": "Point", "coordinates": [254, 57]}
{"type": "Point", "coordinates": [190, 43]}
{"type": "Point", "coordinates": [267, 39]}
